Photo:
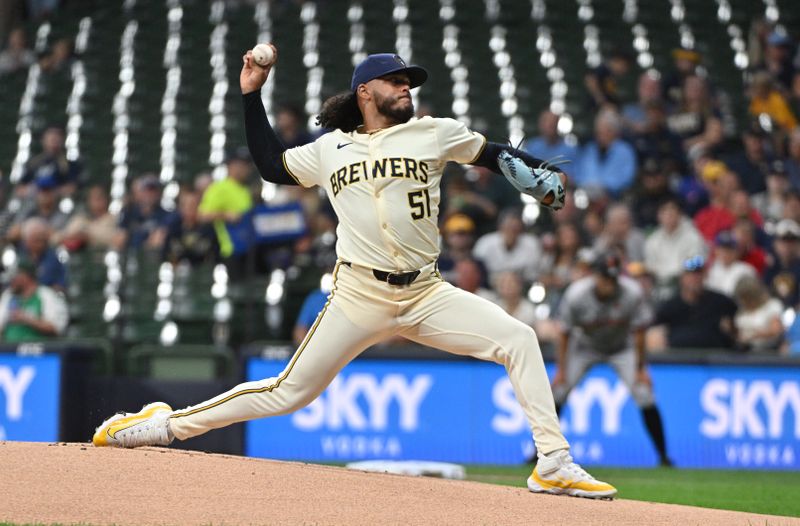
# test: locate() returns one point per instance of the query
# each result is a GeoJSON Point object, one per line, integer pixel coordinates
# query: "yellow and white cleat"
{"type": "Point", "coordinates": [559, 475]}
{"type": "Point", "coordinates": [148, 427]}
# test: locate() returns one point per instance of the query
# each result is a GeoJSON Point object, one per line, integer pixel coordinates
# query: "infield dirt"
{"type": "Point", "coordinates": [77, 483]}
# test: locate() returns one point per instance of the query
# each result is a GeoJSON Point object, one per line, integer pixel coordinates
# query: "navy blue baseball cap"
{"type": "Point", "coordinates": [725, 239]}
{"type": "Point", "coordinates": [381, 64]}
{"type": "Point", "coordinates": [47, 182]}
{"type": "Point", "coordinates": [607, 264]}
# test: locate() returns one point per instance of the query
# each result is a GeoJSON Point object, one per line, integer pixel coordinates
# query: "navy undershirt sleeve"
{"type": "Point", "coordinates": [264, 144]}
{"type": "Point", "coordinates": [488, 157]}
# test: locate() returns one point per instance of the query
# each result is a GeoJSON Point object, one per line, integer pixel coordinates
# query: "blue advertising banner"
{"type": "Point", "coordinates": [29, 397]}
{"type": "Point", "coordinates": [714, 416]}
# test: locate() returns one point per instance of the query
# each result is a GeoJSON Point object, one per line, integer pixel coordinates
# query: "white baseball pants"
{"type": "Point", "coordinates": [362, 311]}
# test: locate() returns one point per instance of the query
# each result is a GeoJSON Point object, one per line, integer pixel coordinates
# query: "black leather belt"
{"type": "Point", "coordinates": [392, 278]}
{"type": "Point", "coordinates": [403, 278]}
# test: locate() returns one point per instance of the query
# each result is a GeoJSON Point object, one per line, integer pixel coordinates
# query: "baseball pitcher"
{"type": "Point", "coordinates": [382, 169]}
{"type": "Point", "coordinates": [604, 317]}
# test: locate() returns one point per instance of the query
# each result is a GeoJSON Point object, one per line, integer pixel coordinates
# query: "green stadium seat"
{"type": "Point", "coordinates": [182, 362]}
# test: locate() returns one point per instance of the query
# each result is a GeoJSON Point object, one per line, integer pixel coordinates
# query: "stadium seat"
{"type": "Point", "coordinates": [181, 362]}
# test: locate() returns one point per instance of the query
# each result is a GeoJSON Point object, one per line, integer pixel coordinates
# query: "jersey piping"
{"type": "Point", "coordinates": [480, 152]}
{"type": "Point", "coordinates": [288, 370]}
{"type": "Point", "coordinates": [286, 166]}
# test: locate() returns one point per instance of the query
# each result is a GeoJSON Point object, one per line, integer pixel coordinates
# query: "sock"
{"type": "Point", "coordinates": [170, 435]}
{"type": "Point", "coordinates": [652, 420]}
{"type": "Point", "coordinates": [553, 453]}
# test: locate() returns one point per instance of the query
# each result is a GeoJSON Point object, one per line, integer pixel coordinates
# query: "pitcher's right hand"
{"type": "Point", "coordinates": [254, 76]}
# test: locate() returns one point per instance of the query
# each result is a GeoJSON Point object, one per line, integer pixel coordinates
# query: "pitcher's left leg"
{"type": "Point", "coordinates": [458, 322]}
{"type": "Point", "coordinates": [461, 323]}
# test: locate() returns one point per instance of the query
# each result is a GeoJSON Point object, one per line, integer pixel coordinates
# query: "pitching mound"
{"type": "Point", "coordinates": [77, 483]}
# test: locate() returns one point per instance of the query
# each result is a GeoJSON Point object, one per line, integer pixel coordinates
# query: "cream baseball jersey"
{"type": "Point", "coordinates": [385, 187]}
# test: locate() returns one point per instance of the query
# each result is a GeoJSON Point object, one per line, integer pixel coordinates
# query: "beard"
{"type": "Point", "coordinates": [388, 107]}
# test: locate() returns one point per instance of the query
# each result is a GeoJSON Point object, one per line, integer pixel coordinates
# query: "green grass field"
{"type": "Point", "coordinates": [771, 492]}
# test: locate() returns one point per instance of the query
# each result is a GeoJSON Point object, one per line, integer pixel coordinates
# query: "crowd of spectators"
{"type": "Point", "coordinates": [208, 222]}
{"type": "Point", "coordinates": [705, 214]}
{"type": "Point", "coordinates": [706, 217]}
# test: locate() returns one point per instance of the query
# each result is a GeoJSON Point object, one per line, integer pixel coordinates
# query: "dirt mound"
{"type": "Point", "coordinates": [77, 483]}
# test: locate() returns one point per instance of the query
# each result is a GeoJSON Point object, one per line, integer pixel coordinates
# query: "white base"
{"type": "Point", "coordinates": [412, 467]}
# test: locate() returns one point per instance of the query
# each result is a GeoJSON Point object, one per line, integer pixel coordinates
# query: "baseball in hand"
{"type": "Point", "coordinates": [263, 55]}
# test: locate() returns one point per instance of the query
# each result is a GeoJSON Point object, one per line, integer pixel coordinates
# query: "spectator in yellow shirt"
{"type": "Point", "coordinates": [766, 99]}
{"type": "Point", "coordinates": [225, 202]}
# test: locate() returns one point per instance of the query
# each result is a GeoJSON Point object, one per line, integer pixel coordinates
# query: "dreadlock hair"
{"type": "Point", "coordinates": [341, 112]}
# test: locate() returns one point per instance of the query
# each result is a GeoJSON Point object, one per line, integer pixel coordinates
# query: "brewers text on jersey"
{"type": "Point", "coordinates": [394, 167]}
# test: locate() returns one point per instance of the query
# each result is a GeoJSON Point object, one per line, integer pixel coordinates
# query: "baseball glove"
{"type": "Point", "coordinates": [543, 183]}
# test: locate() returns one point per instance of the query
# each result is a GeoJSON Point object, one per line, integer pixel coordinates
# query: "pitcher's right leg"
{"type": "Point", "coordinates": [331, 344]}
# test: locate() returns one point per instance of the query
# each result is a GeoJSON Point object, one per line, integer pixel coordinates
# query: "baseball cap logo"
{"type": "Point", "coordinates": [381, 64]}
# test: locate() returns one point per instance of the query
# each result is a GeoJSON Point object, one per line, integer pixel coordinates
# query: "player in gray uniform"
{"type": "Point", "coordinates": [604, 317]}
{"type": "Point", "coordinates": [381, 169]}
